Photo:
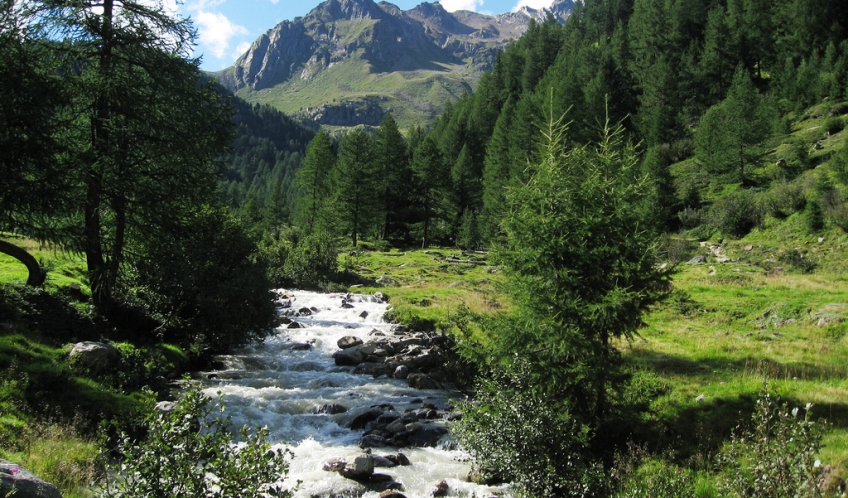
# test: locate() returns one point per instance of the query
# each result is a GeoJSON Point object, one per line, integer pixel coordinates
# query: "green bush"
{"type": "Point", "coordinates": [297, 260]}
{"type": "Point", "coordinates": [208, 288]}
{"type": "Point", "coordinates": [735, 214]}
{"type": "Point", "coordinates": [190, 453]}
{"type": "Point", "coordinates": [776, 456]}
{"type": "Point", "coordinates": [658, 480]}
{"type": "Point", "coordinates": [524, 438]}
{"type": "Point", "coordinates": [814, 217]}
{"type": "Point", "coordinates": [784, 198]}
{"type": "Point", "coordinates": [834, 125]}
{"type": "Point", "coordinates": [794, 159]}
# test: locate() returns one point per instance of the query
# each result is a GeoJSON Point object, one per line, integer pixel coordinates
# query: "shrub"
{"type": "Point", "coordinates": [795, 260]}
{"type": "Point", "coordinates": [839, 166]}
{"type": "Point", "coordinates": [691, 217]}
{"type": "Point", "coordinates": [676, 249]}
{"type": "Point", "coordinates": [658, 480]}
{"type": "Point", "coordinates": [813, 217]}
{"type": "Point", "coordinates": [191, 454]}
{"type": "Point", "coordinates": [297, 260]}
{"type": "Point", "coordinates": [776, 456]}
{"type": "Point", "coordinates": [784, 199]}
{"type": "Point", "coordinates": [834, 125]}
{"type": "Point", "coordinates": [735, 214]}
{"type": "Point", "coordinates": [794, 157]}
{"type": "Point", "coordinates": [522, 436]}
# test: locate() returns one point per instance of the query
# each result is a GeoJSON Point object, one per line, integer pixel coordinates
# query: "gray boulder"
{"type": "Point", "coordinates": [361, 469]}
{"type": "Point", "coordinates": [421, 381]}
{"type": "Point", "coordinates": [94, 356]}
{"type": "Point", "coordinates": [24, 483]}
{"type": "Point", "coordinates": [348, 341]}
{"type": "Point", "coordinates": [386, 281]}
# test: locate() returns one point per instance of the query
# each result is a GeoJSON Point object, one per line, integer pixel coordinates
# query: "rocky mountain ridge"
{"type": "Point", "coordinates": [350, 50]}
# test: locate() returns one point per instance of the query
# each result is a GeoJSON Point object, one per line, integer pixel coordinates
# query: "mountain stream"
{"type": "Point", "coordinates": [283, 383]}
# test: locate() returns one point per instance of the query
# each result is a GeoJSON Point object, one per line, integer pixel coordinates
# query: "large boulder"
{"type": "Point", "coordinates": [19, 482]}
{"type": "Point", "coordinates": [421, 381]}
{"type": "Point", "coordinates": [94, 356]}
{"type": "Point", "coordinates": [348, 341]}
{"type": "Point", "coordinates": [386, 281]}
{"type": "Point", "coordinates": [360, 470]}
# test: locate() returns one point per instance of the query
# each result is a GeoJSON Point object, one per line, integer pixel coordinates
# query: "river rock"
{"type": "Point", "coordinates": [421, 381]}
{"type": "Point", "coordinates": [293, 325]}
{"type": "Point", "coordinates": [329, 409]}
{"type": "Point", "coordinates": [363, 315]}
{"type": "Point", "coordinates": [369, 368]}
{"type": "Point", "coordinates": [373, 441]}
{"type": "Point", "coordinates": [697, 260]}
{"type": "Point", "coordinates": [390, 493]}
{"type": "Point", "coordinates": [426, 360]}
{"type": "Point", "coordinates": [441, 488]}
{"type": "Point", "coordinates": [361, 420]}
{"type": "Point", "coordinates": [300, 346]}
{"type": "Point", "coordinates": [401, 372]}
{"type": "Point", "coordinates": [381, 298]}
{"type": "Point", "coordinates": [381, 461]}
{"type": "Point", "coordinates": [427, 435]}
{"type": "Point", "coordinates": [304, 311]}
{"type": "Point", "coordinates": [348, 341]}
{"type": "Point", "coordinates": [21, 483]}
{"type": "Point", "coordinates": [94, 356]}
{"type": "Point", "coordinates": [360, 470]}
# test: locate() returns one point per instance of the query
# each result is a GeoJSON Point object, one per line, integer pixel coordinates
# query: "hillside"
{"type": "Point", "coordinates": [349, 62]}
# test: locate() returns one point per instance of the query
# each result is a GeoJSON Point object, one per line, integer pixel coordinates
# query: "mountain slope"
{"type": "Point", "coordinates": [349, 62]}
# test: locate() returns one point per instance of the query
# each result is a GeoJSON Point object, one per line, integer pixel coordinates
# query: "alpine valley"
{"type": "Point", "coordinates": [349, 62]}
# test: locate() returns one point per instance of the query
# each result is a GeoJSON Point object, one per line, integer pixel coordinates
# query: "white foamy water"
{"type": "Point", "coordinates": [272, 385]}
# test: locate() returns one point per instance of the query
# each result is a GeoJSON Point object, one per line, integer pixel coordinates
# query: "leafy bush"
{"type": "Point", "coordinates": [735, 214]}
{"type": "Point", "coordinates": [813, 217]}
{"type": "Point", "coordinates": [297, 260]}
{"type": "Point", "coordinates": [839, 166]}
{"type": "Point", "coordinates": [658, 480]}
{"type": "Point", "coordinates": [834, 125]}
{"type": "Point", "coordinates": [524, 438]}
{"type": "Point", "coordinates": [207, 287]}
{"type": "Point", "coordinates": [189, 453]}
{"type": "Point", "coordinates": [785, 198]}
{"type": "Point", "coordinates": [691, 217]}
{"type": "Point", "coordinates": [776, 456]}
{"type": "Point", "coordinates": [676, 249]}
{"type": "Point", "coordinates": [794, 159]}
{"type": "Point", "coordinates": [796, 260]}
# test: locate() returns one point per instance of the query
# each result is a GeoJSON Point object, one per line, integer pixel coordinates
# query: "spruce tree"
{"type": "Point", "coordinates": [313, 180]}
{"type": "Point", "coordinates": [430, 180]}
{"type": "Point", "coordinates": [392, 165]}
{"type": "Point", "coordinates": [354, 181]}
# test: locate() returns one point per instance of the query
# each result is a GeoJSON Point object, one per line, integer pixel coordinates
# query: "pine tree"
{"type": "Point", "coordinates": [313, 180]}
{"type": "Point", "coordinates": [354, 181]}
{"type": "Point", "coordinates": [430, 178]}
{"type": "Point", "coordinates": [392, 165]}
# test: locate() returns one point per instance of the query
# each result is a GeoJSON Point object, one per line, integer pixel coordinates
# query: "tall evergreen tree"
{"type": "Point", "coordinates": [354, 181]}
{"type": "Point", "coordinates": [430, 179]}
{"type": "Point", "coordinates": [392, 165]}
{"type": "Point", "coordinates": [730, 130]}
{"type": "Point", "coordinates": [313, 180]}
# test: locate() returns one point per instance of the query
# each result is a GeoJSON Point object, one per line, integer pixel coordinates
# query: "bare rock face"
{"type": "Point", "coordinates": [386, 39]}
{"type": "Point", "coordinates": [94, 356]}
{"type": "Point", "coordinates": [19, 482]}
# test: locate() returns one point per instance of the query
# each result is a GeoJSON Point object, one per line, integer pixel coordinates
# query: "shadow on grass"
{"type": "Point", "coordinates": [698, 430]}
{"type": "Point", "coordinates": [767, 367]}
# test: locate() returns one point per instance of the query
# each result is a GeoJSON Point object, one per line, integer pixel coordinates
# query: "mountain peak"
{"type": "Point", "coordinates": [336, 10]}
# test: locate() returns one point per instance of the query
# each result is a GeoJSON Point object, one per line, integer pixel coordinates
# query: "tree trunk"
{"type": "Point", "coordinates": [101, 295]}
{"type": "Point", "coordinates": [36, 274]}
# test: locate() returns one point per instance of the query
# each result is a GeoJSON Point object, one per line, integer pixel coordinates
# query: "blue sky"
{"type": "Point", "coordinates": [226, 28]}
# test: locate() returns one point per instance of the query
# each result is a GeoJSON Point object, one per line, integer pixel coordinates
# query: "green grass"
{"type": "Point", "coordinates": [414, 97]}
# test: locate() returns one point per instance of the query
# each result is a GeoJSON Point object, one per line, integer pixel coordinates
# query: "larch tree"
{"type": "Point", "coordinates": [313, 180]}
{"type": "Point", "coordinates": [144, 128]}
{"type": "Point", "coordinates": [430, 179]}
{"type": "Point", "coordinates": [354, 179]}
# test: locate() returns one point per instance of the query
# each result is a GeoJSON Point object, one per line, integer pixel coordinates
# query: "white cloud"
{"type": "Point", "coordinates": [240, 49]}
{"type": "Point", "coordinates": [454, 5]}
{"type": "Point", "coordinates": [533, 4]}
{"type": "Point", "coordinates": [274, 2]}
{"type": "Point", "coordinates": [215, 31]}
